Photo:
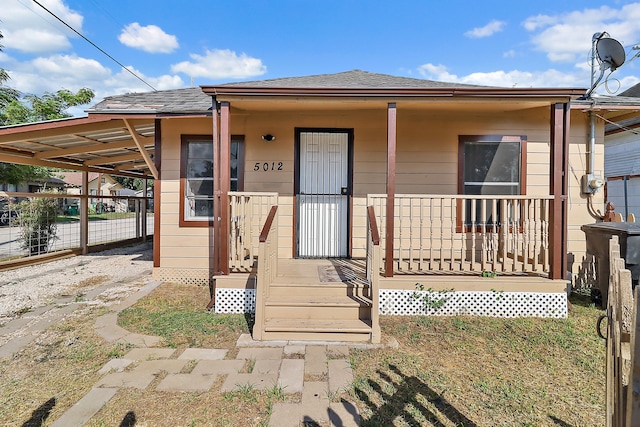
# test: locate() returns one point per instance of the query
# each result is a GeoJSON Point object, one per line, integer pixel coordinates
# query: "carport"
{"type": "Point", "coordinates": [105, 144]}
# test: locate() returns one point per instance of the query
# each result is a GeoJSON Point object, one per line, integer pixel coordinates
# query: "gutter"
{"type": "Point", "coordinates": [554, 93]}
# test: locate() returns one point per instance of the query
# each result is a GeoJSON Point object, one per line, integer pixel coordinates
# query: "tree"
{"type": "Point", "coordinates": [16, 109]}
{"type": "Point", "coordinates": [50, 106]}
{"type": "Point", "coordinates": [133, 183]}
{"type": "Point", "coordinates": [11, 173]}
{"type": "Point", "coordinates": [7, 95]}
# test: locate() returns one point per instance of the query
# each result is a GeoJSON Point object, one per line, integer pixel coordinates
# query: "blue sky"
{"type": "Point", "coordinates": [172, 44]}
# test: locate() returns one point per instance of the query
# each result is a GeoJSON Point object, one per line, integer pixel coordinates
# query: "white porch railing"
{"type": "Point", "coordinates": [373, 273]}
{"type": "Point", "coordinates": [458, 233]}
{"type": "Point", "coordinates": [248, 214]}
{"type": "Point", "coordinates": [267, 268]}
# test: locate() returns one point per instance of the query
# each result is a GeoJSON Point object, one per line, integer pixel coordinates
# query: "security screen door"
{"type": "Point", "coordinates": [323, 194]}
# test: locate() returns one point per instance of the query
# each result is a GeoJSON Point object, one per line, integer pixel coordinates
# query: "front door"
{"type": "Point", "coordinates": [323, 189]}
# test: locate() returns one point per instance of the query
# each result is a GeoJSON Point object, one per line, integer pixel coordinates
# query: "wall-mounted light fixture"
{"type": "Point", "coordinates": [268, 137]}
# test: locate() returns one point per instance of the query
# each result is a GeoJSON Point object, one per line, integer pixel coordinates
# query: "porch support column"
{"type": "Point", "coordinates": [223, 195]}
{"type": "Point", "coordinates": [391, 188]}
{"type": "Point", "coordinates": [157, 185]}
{"type": "Point", "coordinates": [84, 213]}
{"type": "Point", "coordinates": [144, 210]}
{"type": "Point", "coordinates": [215, 242]}
{"type": "Point", "coordinates": [558, 181]}
{"type": "Point", "coordinates": [225, 178]}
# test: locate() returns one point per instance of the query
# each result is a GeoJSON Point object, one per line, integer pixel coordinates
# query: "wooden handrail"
{"type": "Point", "coordinates": [373, 272]}
{"type": "Point", "coordinates": [375, 235]}
{"type": "Point", "coordinates": [502, 233]}
{"type": "Point", "coordinates": [267, 224]}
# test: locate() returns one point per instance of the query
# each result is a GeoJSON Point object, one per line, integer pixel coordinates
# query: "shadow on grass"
{"type": "Point", "coordinates": [40, 415]}
{"type": "Point", "coordinates": [583, 300]}
{"type": "Point", "coordinates": [559, 422]}
{"type": "Point", "coordinates": [412, 401]}
{"type": "Point", "coordinates": [129, 420]}
{"type": "Point", "coordinates": [250, 318]}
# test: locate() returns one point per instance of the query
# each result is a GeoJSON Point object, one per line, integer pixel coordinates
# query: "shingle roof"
{"type": "Point", "coordinates": [181, 101]}
{"type": "Point", "coordinates": [193, 100]}
{"type": "Point", "coordinates": [75, 178]}
{"type": "Point", "coordinates": [348, 79]}
{"type": "Point", "coordinates": [633, 91]}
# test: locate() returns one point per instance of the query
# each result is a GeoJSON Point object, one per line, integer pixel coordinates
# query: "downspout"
{"type": "Point", "coordinates": [626, 196]}
{"type": "Point", "coordinates": [590, 173]}
{"type": "Point", "coordinates": [592, 141]}
{"type": "Point", "coordinates": [590, 183]}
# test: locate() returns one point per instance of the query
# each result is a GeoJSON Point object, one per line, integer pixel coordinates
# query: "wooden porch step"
{"type": "Point", "coordinates": [317, 307]}
{"type": "Point", "coordinates": [318, 300]}
{"type": "Point", "coordinates": [315, 325]}
{"type": "Point", "coordinates": [317, 289]}
{"type": "Point", "coordinates": [317, 330]}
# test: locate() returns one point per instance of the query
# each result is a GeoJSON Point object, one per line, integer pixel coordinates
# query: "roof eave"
{"type": "Point", "coordinates": [395, 92]}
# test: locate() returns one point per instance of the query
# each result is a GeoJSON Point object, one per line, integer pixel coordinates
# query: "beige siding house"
{"type": "Point", "coordinates": [322, 202]}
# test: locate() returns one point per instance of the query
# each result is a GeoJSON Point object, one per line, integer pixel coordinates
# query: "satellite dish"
{"type": "Point", "coordinates": [610, 53]}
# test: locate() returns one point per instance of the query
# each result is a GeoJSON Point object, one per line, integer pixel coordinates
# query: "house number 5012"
{"type": "Point", "coordinates": [266, 166]}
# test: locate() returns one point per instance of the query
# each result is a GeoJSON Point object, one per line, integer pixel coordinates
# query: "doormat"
{"type": "Point", "coordinates": [335, 273]}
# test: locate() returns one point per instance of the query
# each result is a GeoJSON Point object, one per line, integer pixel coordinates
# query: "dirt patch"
{"type": "Point", "coordinates": [92, 282]}
{"type": "Point", "coordinates": [27, 288]}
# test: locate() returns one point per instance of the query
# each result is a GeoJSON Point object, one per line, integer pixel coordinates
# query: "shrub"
{"type": "Point", "coordinates": [37, 222]}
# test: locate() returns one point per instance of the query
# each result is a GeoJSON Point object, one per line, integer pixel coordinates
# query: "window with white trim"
{"type": "Point", "coordinates": [491, 165]}
{"type": "Point", "coordinates": [196, 175]}
{"type": "Point", "coordinates": [198, 180]}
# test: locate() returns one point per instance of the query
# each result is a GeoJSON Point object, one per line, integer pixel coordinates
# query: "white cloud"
{"type": "Point", "coordinates": [150, 38]}
{"type": "Point", "coordinates": [567, 37]}
{"type": "Point", "coordinates": [220, 64]}
{"type": "Point", "coordinates": [29, 28]}
{"type": "Point", "coordinates": [490, 29]}
{"type": "Point", "coordinates": [49, 74]}
{"type": "Point", "coordinates": [125, 82]}
{"type": "Point", "coordinates": [514, 78]}
{"type": "Point", "coordinates": [534, 22]}
{"type": "Point", "coordinates": [437, 72]}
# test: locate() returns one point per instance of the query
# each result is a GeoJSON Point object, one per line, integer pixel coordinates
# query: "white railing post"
{"type": "Point", "coordinates": [459, 233]}
{"type": "Point", "coordinates": [248, 212]}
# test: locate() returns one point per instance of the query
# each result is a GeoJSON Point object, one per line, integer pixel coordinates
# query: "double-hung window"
{"type": "Point", "coordinates": [198, 179]}
{"type": "Point", "coordinates": [490, 165]}
{"type": "Point", "coordinates": [196, 173]}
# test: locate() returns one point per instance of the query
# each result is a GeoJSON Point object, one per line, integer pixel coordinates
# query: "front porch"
{"type": "Point", "coordinates": [480, 255]}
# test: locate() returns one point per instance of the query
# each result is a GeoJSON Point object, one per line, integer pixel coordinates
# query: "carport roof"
{"type": "Point", "coordinates": [118, 145]}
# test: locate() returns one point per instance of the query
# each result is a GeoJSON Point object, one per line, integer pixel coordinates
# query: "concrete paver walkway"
{"type": "Point", "coordinates": [316, 371]}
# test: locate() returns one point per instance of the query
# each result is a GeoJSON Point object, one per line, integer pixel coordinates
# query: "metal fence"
{"type": "Point", "coordinates": [42, 223]}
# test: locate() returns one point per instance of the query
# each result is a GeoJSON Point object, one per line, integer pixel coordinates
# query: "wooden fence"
{"type": "Point", "coordinates": [623, 344]}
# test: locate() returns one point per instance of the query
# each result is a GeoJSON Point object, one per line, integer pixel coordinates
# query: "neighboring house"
{"type": "Point", "coordinates": [431, 188]}
{"type": "Point", "coordinates": [51, 184]}
{"type": "Point", "coordinates": [99, 184]}
{"type": "Point", "coordinates": [37, 186]}
{"type": "Point", "coordinates": [622, 160]}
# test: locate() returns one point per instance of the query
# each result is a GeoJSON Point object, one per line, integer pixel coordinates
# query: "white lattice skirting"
{"type": "Point", "coordinates": [432, 303]}
{"type": "Point", "coordinates": [473, 303]}
{"type": "Point", "coordinates": [230, 300]}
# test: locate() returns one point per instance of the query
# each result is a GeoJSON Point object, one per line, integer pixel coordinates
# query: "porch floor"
{"type": "Point", "coordinates": [320, 271]}
{"type": "Point", "coordinates": [339, 272]}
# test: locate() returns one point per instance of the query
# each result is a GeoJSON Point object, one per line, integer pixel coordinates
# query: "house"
{"type": "Point", "coordinates": [321, 202]}
{"type": "Point", "coordinates": [35, 186]}
{"type": "Point", "coordinates": [622, 158]}
{"type": "Point", "coordinates": [50, 184]}
{"type": "Point", "coordinates": [99, 184]}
